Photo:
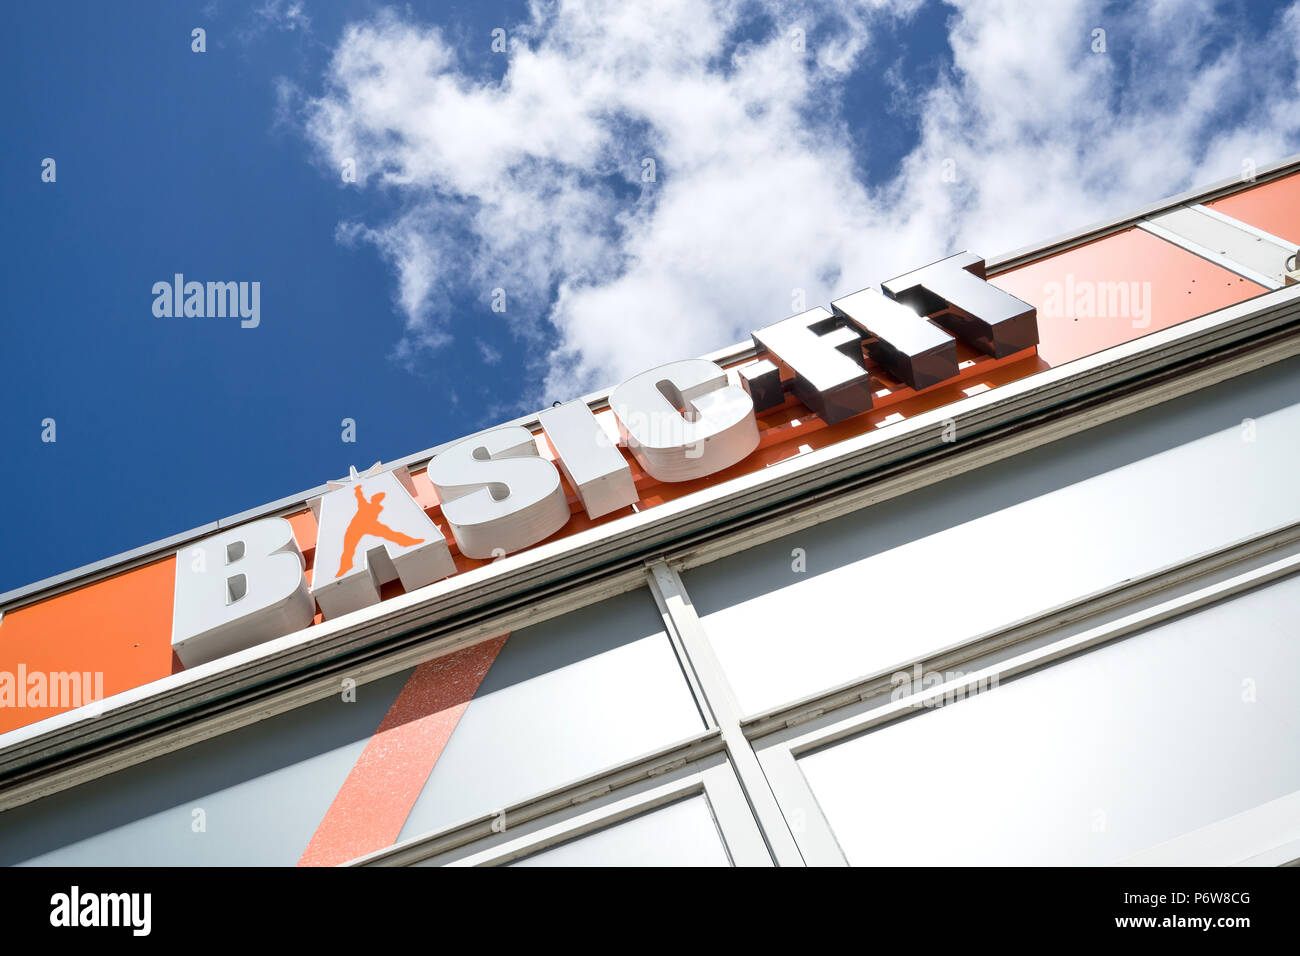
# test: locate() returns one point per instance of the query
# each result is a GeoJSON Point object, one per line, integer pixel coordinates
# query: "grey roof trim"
{"type": "Point", "coordinates": [599, 400]}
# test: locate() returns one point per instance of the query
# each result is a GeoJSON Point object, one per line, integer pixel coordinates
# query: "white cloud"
{"type": "Point", "coordinates": [533, 183]}
{"type": "Point", "coordinates": [285, 15]}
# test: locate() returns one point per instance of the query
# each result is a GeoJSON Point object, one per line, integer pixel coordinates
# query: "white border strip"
{"type": "Point", "coordinates": [1245, 227]}
{"type": "Point", "coordinates": [1196, 249]}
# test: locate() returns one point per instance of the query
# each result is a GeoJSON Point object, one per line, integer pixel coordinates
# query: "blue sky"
{"type": "Point", "coordinates": [783, 161]}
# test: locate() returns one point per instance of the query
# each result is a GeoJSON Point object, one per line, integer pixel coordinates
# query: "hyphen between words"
{"type": "Point", "coordinates": [498, 494]}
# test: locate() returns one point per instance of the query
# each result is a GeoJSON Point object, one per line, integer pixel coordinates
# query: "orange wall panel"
{"type": "Point", "coordinates": [120, 626]}
{"type": "Point", "coordinates": [1181, 286]}
{"type": "Point", "coordinates": [1273, 207]}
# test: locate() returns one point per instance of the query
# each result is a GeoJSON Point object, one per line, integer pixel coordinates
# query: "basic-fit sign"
{"type": "Point", "coordinates": [679, 422]}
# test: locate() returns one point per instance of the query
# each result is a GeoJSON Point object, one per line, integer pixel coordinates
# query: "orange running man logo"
{"type": "Point", "coordinates": [366, 521]}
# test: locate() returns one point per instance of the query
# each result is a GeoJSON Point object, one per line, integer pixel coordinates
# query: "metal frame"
{"type": "Point", "coordinates": [681, 620]}
{"type": "Point", "coordinates": [713, 763]}
{"type": "Point", "coordinates": [710, 777]}
{"type": "Point", "coordinates": [780, 752]}
{"type": "Point", "coordinates": [748, 768]}
{"type": "Point", "coordinates": [1179, 581]}
{"type": "Point", "coordinates": [717, 785]}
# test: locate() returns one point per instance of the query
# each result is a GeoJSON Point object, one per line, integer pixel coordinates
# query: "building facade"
{"type": "Point", "coordinates": [1039, 610]}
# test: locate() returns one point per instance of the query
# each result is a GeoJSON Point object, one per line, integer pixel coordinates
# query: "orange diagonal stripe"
{"type": "Point", "coordinates": [376, 798]}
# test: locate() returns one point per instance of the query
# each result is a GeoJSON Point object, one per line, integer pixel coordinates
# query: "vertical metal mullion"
{"type": "Point", "coordinates": [683, 656]}
{"type": "Point", "coordinates": [735, 818]}
{"type": "Point", "coordinates": [812, 831]}
{"type": "Point", "coordinates": [718, 700]}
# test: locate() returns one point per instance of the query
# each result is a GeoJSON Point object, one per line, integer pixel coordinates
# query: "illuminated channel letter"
{"type": "Point", "coordinates": [497, 493]}
{"type": "Point", "coordinates": [589, 459]}
{"type": "Point", "coordinates": [825, 356]}
{"type": "Point", "coordinates": [683, 421]}
{"type": "Point", "coordinates": [372, 531]}
{"type": "Point", "coordinates": [980, 314]}
{"type": "Point", "coordinates": [909, 346]}
{"type": "Point", "coordinates": [239, 588]}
